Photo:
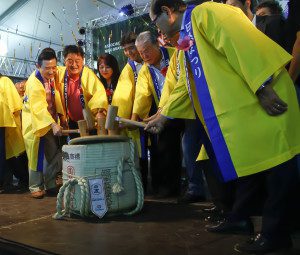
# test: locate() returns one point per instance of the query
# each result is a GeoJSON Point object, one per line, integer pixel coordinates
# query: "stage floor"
{"type": "Point", "coordinates": [162, 228]}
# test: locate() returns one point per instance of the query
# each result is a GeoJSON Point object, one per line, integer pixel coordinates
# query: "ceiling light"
{"type": "Point", "coordinates": [126, 10]}
{"type": "Point", "coordinates": [80, 42]}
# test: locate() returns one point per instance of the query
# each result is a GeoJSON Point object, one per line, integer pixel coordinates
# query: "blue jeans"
{"type": "Point", "coordinates": [191, 144]}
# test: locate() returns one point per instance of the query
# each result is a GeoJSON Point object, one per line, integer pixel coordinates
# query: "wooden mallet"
{"type": "Point", "coordinates": [82, 129]}
{"type": "Point", "coordinates": [101, 126]}
{"type": "Point", "coordinates": [112, 119]}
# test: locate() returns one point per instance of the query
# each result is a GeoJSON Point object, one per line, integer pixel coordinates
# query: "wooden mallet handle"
{"type": "Point", "coordinates": [70, 131]}
{"type": "Point", "coordinates": [131, 122]}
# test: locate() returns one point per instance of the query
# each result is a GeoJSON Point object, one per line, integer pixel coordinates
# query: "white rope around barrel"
{"type": "Point", "coordinates": [67, 190]}
{"type": "Point", "coordinates": [85, 198]}
{"type": "Point", "coordinates": [60, 213]}
{"type": "Point", "coordinates": [138, 182]}
{"type": "Point", "coordinates": [117, 187]}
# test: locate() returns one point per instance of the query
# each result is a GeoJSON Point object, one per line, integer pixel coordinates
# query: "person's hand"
{"type": "Point", "coordinates": [101, 114]}
{"type": "Point", "coordinates": [271, 102]}
{"type": "Point", "coordinates": [157, 125]}
{"type": "Point", "coordinates": [153, 116]}
{"type": "Point", "coordinates": [56, 129]}
{"type": "Point", "coordinates": [63, 122]}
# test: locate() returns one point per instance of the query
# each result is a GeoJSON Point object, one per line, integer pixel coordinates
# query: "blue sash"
{"type": "Point", "coordinates": [82, 102]}
{"type": "Point", "coordinates": [223, 159]}
{"type": "Point", "coordinates": [166, 58]}
{"type": "Point", "coordinates": [41, 155]}
{"type": "Point", "coordinates": [131, 63]}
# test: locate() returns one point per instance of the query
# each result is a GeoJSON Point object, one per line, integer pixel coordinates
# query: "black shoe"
{"type": "Point", "coordinates": [211, 209]}
{"type": "Point", "coordinates": [22, 188]}
{"type": "Point", "coordinates": [189, 199]}
{"type": "Point", "coordinates": [215, 218]}
{"type": "Point", "coordinates": [260, 244]}
{"type": "Point", "coordinates": [8, 189]}
{"type": "Point", "coordinates": [213, 214]}
{"type": "Point", "coordinates": [231, 227]}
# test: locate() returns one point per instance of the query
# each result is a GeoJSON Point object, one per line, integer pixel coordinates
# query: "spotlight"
{"type": "Point", "coordinates": [126, 10]}
{"type": "Point", "coordinates": [81, 30]}
{"type": "Point", "coordinates": [80, 42]}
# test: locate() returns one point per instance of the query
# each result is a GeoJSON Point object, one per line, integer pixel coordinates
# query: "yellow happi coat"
{"type": "Point", "coordinates": [124, 93]}
{"type": "Point", "coordinates": [124, 98]}
{"type": "Point", "coordinates": [36, 119]}
{"type": "Point", "coordinates": [145, 91]}
{"type": "Point", "coordinates": [93, 90]}
{"type": "Point", "coordinates": [237, 59]}
{"type": "Point", "coordinates": [10, 107]}
{"type": "Point", "coordinates": [175, 78]}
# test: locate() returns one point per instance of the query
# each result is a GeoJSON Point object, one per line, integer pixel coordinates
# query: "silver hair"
{"type": "Point", "coordinates": [145, 37]}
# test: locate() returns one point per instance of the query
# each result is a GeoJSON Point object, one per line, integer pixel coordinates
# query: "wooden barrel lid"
{"type": "Point", "coordinates": [98, 139]}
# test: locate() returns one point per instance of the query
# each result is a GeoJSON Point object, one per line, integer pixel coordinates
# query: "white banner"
{"type": "Point", "coordinates": [97, 197]}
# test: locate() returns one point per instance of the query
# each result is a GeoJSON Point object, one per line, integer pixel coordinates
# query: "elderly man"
{"type": "Point", "coordinates": [242, 105]}
{"type": "Point", "coordinates": [41, 112]}
{"type": "Point", "coordinates": [191, 140]}
{"type": "Point", "coordinates": [165, 176]}
{"type": "Point", "coordinates": [82, 92]}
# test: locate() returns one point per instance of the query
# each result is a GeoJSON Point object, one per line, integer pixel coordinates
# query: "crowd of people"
{"type": "Point", "coordinates": [221, 103]}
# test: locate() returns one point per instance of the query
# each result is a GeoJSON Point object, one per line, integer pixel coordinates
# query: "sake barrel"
{"type": "Point", "coordinates": [112, 158]}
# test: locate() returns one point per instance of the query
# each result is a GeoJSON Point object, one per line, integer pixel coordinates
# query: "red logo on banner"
{"type": "Point", "coordinates": [70, 172]}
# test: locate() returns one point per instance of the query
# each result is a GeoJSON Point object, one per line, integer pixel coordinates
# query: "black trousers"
{"type": "Point", "coordinates": [278, 181]}
{"type": "Point", "coordinates": [18, 166]}
{"type": "Point", "coordinates": [222, 194]}
{"type": "Point", "coordinates": [166, 162]}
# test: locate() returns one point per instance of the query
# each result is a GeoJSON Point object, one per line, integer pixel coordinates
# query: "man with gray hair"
{"type": "Point", "coordinates": [165, 148]}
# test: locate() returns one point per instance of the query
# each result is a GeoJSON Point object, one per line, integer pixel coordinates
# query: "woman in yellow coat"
{"type": "Point", "coordinates": [11, 139]}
